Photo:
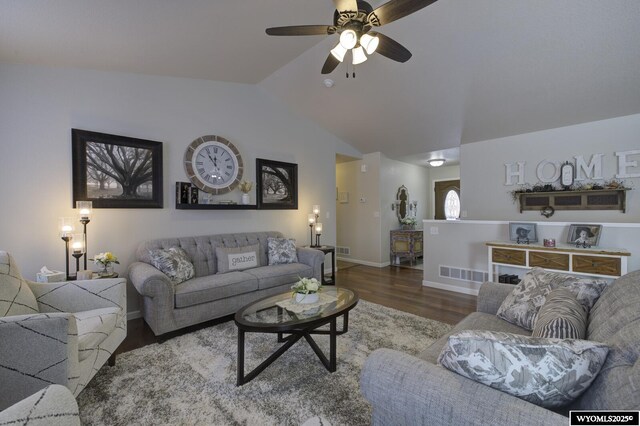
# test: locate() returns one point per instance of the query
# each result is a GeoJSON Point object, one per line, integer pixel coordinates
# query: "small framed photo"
{"type": "Point", "coordinates": [586, 235]}
{"type": "Point", "coordinates": [523, 232]}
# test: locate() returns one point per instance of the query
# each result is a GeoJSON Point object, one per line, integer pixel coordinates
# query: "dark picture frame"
{"type": "Point", "coordinates": [277, 185]}
{"type": "Point", "coordinates": [584, 234]}
{"type": "Point", "coordinates": [101, 174]}
{"type": "Point", "coordinates": [521, 231]}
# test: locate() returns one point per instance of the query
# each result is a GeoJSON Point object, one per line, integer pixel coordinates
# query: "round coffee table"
{"type": "Point", "coordinates": [275, 314]}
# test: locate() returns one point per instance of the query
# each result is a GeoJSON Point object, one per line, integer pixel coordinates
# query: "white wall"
{"type": "Point", "coordinates": [485, 196]}
{"type": "Point", "coordinates": [39, 106]}
{"type": "Point", "coordinates": [438, 174]}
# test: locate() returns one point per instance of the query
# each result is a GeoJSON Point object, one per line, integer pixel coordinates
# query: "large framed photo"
{"type": "Point", "coordinates": [116, 171]}
{"type": "Point", "coordinates": [277, 184]}
{"type": "Point", "coordinates": [584, 234]}
{"type": "Point", "coordinates": [523, 232]}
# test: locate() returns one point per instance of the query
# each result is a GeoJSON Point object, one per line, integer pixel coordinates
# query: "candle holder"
{"type": "Point", "coordinates": [313, 220]}
{"type": "Point", "coordinates": [84, 211]}
{"type": "Point", "coordinates": [66, 228]}
{"type": "Point", "coordinates": [77, 248]}
{"type": "Point", "coordinates": [318, 233]}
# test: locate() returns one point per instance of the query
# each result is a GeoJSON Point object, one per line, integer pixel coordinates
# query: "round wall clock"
{"type": "Point", "coordinates": [213, 164]}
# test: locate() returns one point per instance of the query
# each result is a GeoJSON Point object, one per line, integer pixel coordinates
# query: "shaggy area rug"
{"type": "Point", "coordinates": [191, 379]}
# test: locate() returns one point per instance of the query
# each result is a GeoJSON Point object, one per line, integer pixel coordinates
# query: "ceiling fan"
{"type": "Point", "coordinates": [354, 20]}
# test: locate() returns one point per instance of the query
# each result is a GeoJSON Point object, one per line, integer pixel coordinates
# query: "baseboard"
{"type": "Point", "coordinates": [364, 262]}
{"type": "Point", "coordinates": [450, 287]}
{"type": "Point", "coordinates": [133, 315]}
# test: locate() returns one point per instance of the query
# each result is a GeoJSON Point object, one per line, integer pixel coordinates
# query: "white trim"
{"type": "Point", "coordinates": [506, 222]}
{"type": "Point", "coordinates": [449, 287]}
{"type": "Point", "coordinates": [363, 262]}
{"type": "Point", "coordinates": [133, 315]}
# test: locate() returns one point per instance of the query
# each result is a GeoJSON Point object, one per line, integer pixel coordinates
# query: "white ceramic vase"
{"type": "Point", "coordinates": [246, 199]}
{"type": "Point", "coordinates": [307, 298]}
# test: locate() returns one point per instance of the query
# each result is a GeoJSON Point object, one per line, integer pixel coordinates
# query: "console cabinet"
{"type": "Point", "coordinates": [596, 262]}
{"type": "Point", "coordinates": [405, 243]}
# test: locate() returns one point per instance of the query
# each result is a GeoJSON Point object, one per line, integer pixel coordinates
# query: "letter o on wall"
{"type": "Point", "coordinates": [543, 167]}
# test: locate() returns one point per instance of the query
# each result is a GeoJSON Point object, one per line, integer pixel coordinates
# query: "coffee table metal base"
{"type": "Point", "coordinates": [291, 339]}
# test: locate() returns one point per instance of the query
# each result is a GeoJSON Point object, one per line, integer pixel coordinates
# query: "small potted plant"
{"type": "Point", "coordinates": [245, 186]}
{"type": "Point", "coordinates": [105, 260]}
{"type": "Point", "coordinates": [408, 223]}
{"type": "Point", "coordinates": [306, 290]}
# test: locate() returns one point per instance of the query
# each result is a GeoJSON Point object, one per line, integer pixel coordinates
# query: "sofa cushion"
{"type": "Point", "coordinates": [174, 263]}
{"type": "Point", "coordinates": [522, 305]}
{"type": "Point", "coordinates": [282, 250]}
{"type": "Point", "coordinates": [237, 258]}
{"type": "Point", "coordinates": [214, 287]}
{"type": "Point", "coordinates": [561, 317]}
{"type": "Point", "coordinates": [16, 298]}
{"type": "Point", "coordinates": [473, 321]}
{"type": "Point", "coordinates": [546, 372]}
{"type": "Point", "coordinates": [275, 275]}
{"type": "Point", "coordinates": [93, 327]}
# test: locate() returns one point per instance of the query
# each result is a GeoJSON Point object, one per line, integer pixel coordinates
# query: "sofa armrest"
{"type": "Point", "coordinates": [82, 295]}
{"type": "Point", "coordinates": [313, 258]}
{"type": "Point", "coordinates": [150, 281]}
{"type": "Point", "coordinates": [406, 390]}
{"type": "Point", "coordinates": [491, 295]}
{"type": "Point", "coordinates": [36, 351]}
{"type": "Point", "coordinates": [54, 405]}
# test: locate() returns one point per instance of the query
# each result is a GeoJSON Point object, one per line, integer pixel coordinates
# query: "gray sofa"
{"type": "Point", "coordinates": [408, 390]}
{"type": "Point", "coordinates": [167, 307]}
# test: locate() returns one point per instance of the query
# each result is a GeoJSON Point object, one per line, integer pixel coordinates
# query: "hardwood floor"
{"type": "Point", "coordinates": [396, 287]}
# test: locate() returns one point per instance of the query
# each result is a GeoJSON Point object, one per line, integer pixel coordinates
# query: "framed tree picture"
{"type": "Point", "coordinates": [277, 184]}
{"type": "Point", "coordinates": [116, 171]}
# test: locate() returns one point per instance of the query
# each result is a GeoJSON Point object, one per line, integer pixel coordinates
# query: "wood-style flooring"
{"type": "Point", "coordinates": [396, 287]}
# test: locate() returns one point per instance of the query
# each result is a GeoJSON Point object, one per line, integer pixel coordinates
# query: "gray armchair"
{"type": "Point", "coordinates": [52, 406]}
{"type": "Point", "coordinates": [56, 333]}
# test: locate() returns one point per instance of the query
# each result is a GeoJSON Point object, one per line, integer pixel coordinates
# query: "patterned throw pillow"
{"type": "Point", "coordinates": [561, 317]}
{"type": "Point", "coordinates": [237, 258]}
{"type": "Point", "coordinates": [522, 305]}
{"type": "Point", "coordinates": [546, 372]}
{"type": "Point", "coordinates": [16, 298]}
{"type": "Point", "coordinates": [282, 250]}
{"type": "Point", "coordinates": [174, 263]}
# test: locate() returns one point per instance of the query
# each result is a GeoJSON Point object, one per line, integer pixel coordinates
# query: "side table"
{"type": "Point", "coordinates": [326, 250]}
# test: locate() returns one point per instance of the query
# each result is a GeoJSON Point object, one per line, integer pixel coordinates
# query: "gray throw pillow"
{"type": "Point", "coordinates": [16, 297]}
{"type": "Point", "coordinates": [237, 258]}
{"type": "Point", "coordinates": [174, 263]}
{"type": "Point", "coordinates": [522, 305]}
{"type": "Point", "coordinates": [546, 372]}
{"type": "Point", "coordinates": [282, 250]}
{"type": "Point", "coordinates": [561, 317]}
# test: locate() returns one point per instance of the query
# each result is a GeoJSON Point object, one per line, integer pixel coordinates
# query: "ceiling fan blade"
{"type": "Point", "coordinates": [301, 30]}
{"type": "Point", "coordinates": [391, 49]}
{"type": "Point", "coordinates": [330, 64]}
{"type": "Point", "coordinates": [396, 9]}
{"type": "Point", "coordinates": [346, 5]}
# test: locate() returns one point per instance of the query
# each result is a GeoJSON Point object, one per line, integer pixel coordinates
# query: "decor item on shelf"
{"type": "Point", "coordinates": [213, 164]}
{"type": "Point", "coordinates": [66, 228]}
{"type": "Point", "coordinates": [116, 171]}
{"type": "Point", "coordinates": [277, 184]}
{"type": "Point", "coordinates": [182, 192]}
{"type": "Point", "coordinates": [408, 223]}
{"type": "Point", "coordinates": [306, 290]}
{"type": "Point", "coordinates": [436, 162]}
{"type": "Point", "coordinates": [547, 211]}
{"type": "Point", "coordinates": [353, 20]}
{"type": "Point", "coordinates": [245, 187]}
{"type": "Point", "coordinates": [584, 236]}
{"type": "Point", "coordinates": [105, 260]}
{"type": "Point", "coordinates": [84, 211]}
{"type": "Point", "coordinates": [523, 233]}
{"type": "Point", "coordinates": [549, 242]}
{"type": "Point", "coordinates": [567, 174]}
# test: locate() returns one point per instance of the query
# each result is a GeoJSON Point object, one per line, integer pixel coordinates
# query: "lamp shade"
{"type": "Point", "coordinates": [436, 162]}
{"type": "Point", "coordinates": [358, 55]}
{"type": "Point", "coordinates": [66, 226]}
{"type": "Point", "coordinates": [84, 209]}
{"type": "Point", "coordinates": [318, 228]}
{"type": "Point", "coordinates": [316, 209]}
{"type": "Point", "coordinates": [338, 52]}
{"type": "Point", "coordinates": [369, 43]}
{"type": "Point", "coordinates": [77, 245]}
{"type": "Point", "coordinates": [311, 218]}
{"type": "Point", "coordinates": [348, 39]}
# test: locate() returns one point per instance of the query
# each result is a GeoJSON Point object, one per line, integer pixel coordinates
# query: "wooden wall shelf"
{"type": "Point", "coordinates": [600, 199]}
{"type": "Point", "coordinates": [216, 207]}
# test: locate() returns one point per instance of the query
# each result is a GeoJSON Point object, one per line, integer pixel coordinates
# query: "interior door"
{"type": "Point", "coordinates": [441, 189]}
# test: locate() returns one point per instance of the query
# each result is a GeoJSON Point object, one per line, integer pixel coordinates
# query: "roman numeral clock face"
{"type": "Point", "coordinates": [213, 164]}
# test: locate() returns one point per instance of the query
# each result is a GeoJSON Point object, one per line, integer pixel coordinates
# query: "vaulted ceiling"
{"type": "Point", "coordinates": [481, 69]}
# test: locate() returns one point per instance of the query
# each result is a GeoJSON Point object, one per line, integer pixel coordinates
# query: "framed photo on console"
{"type": "Point", "coordinates": [115, 171]}
{"type": "Point", "coordinates": [277, 184]}
{"type": "Point", "coordinates": [523, 232]}
{"type": "Point", "coordinates": [586, 235]}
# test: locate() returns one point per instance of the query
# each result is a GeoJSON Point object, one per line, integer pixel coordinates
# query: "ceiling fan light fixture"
{"type": "Point", "coordinates": [348, 39]}
{"type": "Point", "coordinates": [338, 52]}
{"type": "Point", "coordinates": [369, 43]}
{"type": "Point", "coordinates": [436, 162]}
{"type": "Point", "coordinates": [358, 55]}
